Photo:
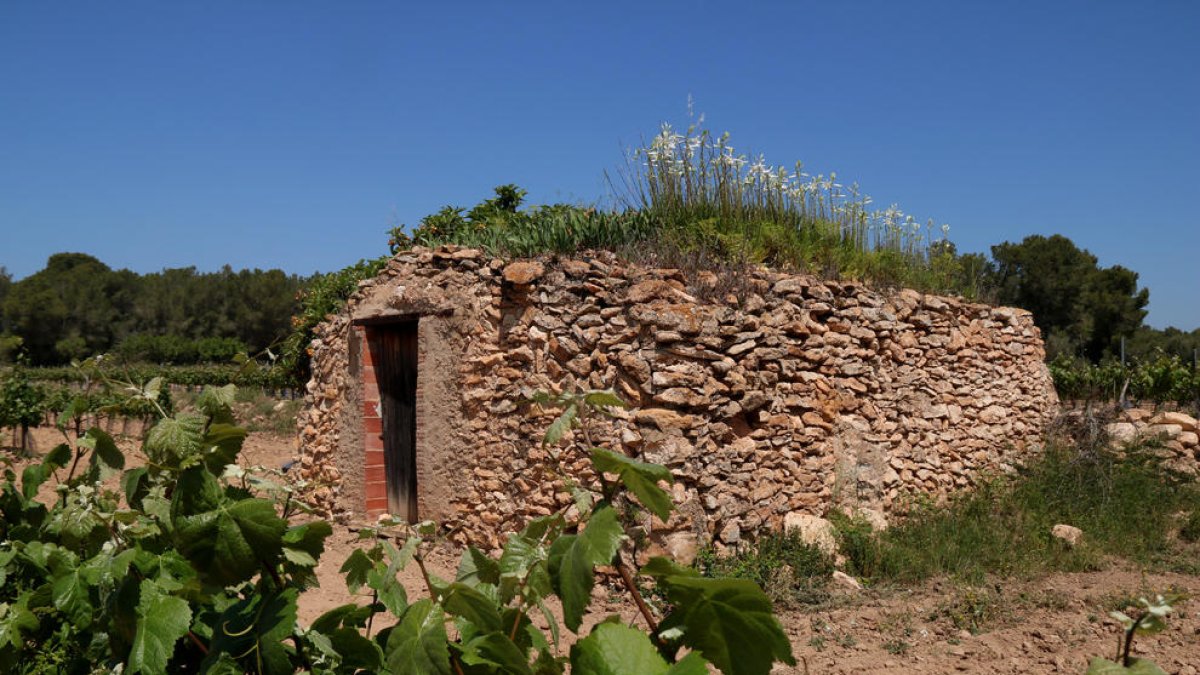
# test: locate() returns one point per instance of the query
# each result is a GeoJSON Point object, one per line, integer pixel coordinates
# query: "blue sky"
{"type": "Point", "coordinates": [273, 134]}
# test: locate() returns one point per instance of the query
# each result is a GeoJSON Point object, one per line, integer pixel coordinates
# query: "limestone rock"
{"type": "Point", "coordinates": [1068, 534]}
{"type": "Point", "coordinates": [732, 532]}
{"type": "Point", "coordinates": [682, 547]}
{"type": "Point", "coordinates": [1121, 432]}
{"type": "Point", "coordinates": [1167, 430]}
{"type": "Point", "coordinates": [523, 272]}
{"type": "Point", "coordinates": [1186, 422]}
{"type": "Point", "coordinates": [663, 418]}
{"type": "Point", "coordinates": [814, 530]}
{"type": "Point", "coordinates": [846, 581]}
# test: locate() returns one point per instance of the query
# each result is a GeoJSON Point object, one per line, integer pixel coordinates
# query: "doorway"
{"type": "Point", "coordinates": [393, 349]}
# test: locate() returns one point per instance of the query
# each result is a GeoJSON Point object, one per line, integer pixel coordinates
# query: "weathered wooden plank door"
{"type": "Point", "coordinates": [396, 370]}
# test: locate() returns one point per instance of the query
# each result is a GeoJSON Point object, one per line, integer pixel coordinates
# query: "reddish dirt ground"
{"type": "Point", "coordinates": [1053, 624]}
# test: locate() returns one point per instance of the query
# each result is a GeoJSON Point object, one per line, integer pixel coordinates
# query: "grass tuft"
{"type": "Point", "coordinates": [1124, 503]}
{"type": "Point", "coordinates": [790, 571]}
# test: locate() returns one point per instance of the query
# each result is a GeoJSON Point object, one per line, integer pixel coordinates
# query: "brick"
{"type": "Point", "coordinates": [368, 377]}
{"type": "Point", "coordinates": [374, 458]}
{"type": "Point", "coordinates": [376, 507]}
{"type": "Point", "coordinates": [370, 408]}
{"type": "Point", "coordinates": [372, 425]}
{"type": "Point", "coordinates": [376, 490]}
{"type": "Point", "coordinates": [376, 474]}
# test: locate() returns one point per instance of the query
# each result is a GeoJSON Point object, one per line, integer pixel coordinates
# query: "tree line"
{"type": "Point", "coordinates": [78, 306]}
{"type": "Point", "coordinates": [1085, 311]}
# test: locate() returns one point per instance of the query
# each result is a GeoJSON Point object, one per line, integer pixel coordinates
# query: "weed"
{"type": "Point", "coordinates": [896, 647]}
{"type": "Point", "coordinates": [1190, 531]}
{"type": "Point", "coordinates": [1003, 525]}
{"type": "Point", "coordinates": [976, 609]}
{"type": "Point", "coordinates": [788, 569]}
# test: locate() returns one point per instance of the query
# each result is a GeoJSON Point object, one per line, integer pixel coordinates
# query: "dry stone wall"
{"type": "Point", "coordinates": [768, 396]}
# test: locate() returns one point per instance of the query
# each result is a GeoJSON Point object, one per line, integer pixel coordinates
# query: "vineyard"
{"type": "Point", "coordinates": [99, 393]}
{"type": "Point", "coordinates": [194, 564]}
{"type": "Point", "coordinates": [1163, 380]}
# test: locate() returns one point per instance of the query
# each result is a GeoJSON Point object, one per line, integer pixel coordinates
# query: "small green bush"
{"type": "Point", "coordinates": [1190, 532]}
{"type": "Point", "coordinates": [787, 568]}
{"type": "Point", "coordinates": [1124, 503]}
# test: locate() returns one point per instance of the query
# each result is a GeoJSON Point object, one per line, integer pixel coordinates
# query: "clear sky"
{"type": "Point", "coordinates": [293, 134]}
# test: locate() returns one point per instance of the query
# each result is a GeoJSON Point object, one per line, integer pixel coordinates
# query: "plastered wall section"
{"type": "Point", "coordinates": [773, 395]}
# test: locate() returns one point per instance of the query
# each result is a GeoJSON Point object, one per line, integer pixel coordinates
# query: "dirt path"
{"type": "Point", "coordinates": [1050, 625]}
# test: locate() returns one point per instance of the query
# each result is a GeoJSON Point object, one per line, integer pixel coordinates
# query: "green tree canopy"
{"type": "Point", "coordinates": [1082, 309]}
{"type": "Point", "coordinates": [78, 306]}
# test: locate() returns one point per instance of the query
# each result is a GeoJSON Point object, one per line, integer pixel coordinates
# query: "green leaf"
{"type": "Point", "coordinates": [417, 645]}
{"type": "Point", "coordinates": [161, 620]}
{"type": "Point", "coordinates": [518, 556]}
{"type": "Point", "coordinates": [497, 650]}
{"type": "Point", "coordinates": [350, 615]}
{"type": "Point", "coordinates": [604, 399]}
{"type": "Point", "coordinates": [617, 649]}
{"type": "Point", "coordinates": [16, 619]}
{"type": "Point", "coordinates": [135, 486]}
{"type": "Point", "coordinates": [574, 557]}
{"type": "Point", "coordinates": [223, 444]}
{"type": "Point", "coordinates": [104, 450]}
{"type": "Point", "coordinates": [382, 579]}
{"type": "Point", "coordinates": [692, 664]}
{"type": "Point", "coordinates": [356, 568]}
{"type": "Point", "coordinates": [461, 600]}
{"type": "Point", "coordinates": [559, 427]}
{"type": "Point", "coordinates": [31, 479]}
{"type": "Point", "coordinates": [660, 567]}
{"type": "Point", "coordinates": [357, 652]}
{"type": "Point", "coordinates": [1099, 666]}
{"type": "Point", "coordinates": [476, 568]}
{"type": "Point", "coordinates": [176, 439]}
{"type": "Point", "coordinates": [217, 403]}
{"type": "Point", "coordinates": [304, 544]}
{"type": "Point", "coordinates": [729, 621]}
{"type": "Point", "coordinates": [70, 593]}
{"type": "Point", "coordinates": [227, 541]}
{"type": "Point", "coordinates": [253, 629]}
{"type": "Point", "coordinates": [57, 458]}
{"type": "Point", "coordinates": [639, 478]}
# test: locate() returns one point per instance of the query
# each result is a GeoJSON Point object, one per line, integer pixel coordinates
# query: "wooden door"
{"type": "Point", "coordinates": [396, 370]}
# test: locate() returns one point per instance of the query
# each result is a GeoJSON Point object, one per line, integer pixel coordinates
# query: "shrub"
{"type": "Point", "coordinates": [782, 563]}
{"type": "Point", "coordinates": [1124, 503]}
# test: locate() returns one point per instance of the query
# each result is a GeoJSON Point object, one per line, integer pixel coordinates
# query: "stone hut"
{"type": "Point", "coordinates": [768, 395]}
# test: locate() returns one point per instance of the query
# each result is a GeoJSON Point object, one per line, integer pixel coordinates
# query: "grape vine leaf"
{"type": "Point", "coordinates": [573, 558]}
{"type": "Point", "coordinates": [639, 478]}
{"type": "Point", "coordinates": [559, 426]}
{"type": "Point", "coordinates": [104, 450]}
{"type": "Point", "coordinates": [227, 540]}
{"type": "Point", "coordinates": [417, 645]}
{"type": "Point", "coordinates": [616, 649]}
{"type": "Point", "coordinates": [477, 568]}
{"type": "Point", "coordinates": [174, 440]}
{"type": "Point", "coordinates": [495, 649]}
{"type": "Point", "coordinates": [257, 625]}
{"type": "Point", "coordinates": [161, 620]}
{"type": "Point", "coordinates": [729, 621]}
{"type": "Point", "coordinates": [462, 600]}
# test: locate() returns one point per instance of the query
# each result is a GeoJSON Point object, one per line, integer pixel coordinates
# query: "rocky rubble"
{"type": "Point", "coordinates": [1177, 434]}
{"type": "Point", "coordinates": [786, 395]}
